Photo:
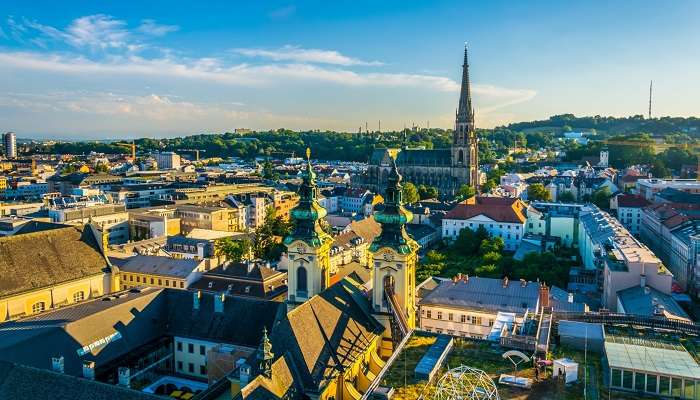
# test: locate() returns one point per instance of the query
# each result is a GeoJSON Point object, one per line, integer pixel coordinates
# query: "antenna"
{"type": "Point", "coordinates": [380, 126]}
{"type": "Point", "coordinates": [651, 85]}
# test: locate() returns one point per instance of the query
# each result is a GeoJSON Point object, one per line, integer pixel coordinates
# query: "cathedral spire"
{"type": "Point", "coordinates": [393, 217]}
{"type": "Point", "coordinates": [465, 112]}
{"type": "Point", "coordinates": [308, 212]}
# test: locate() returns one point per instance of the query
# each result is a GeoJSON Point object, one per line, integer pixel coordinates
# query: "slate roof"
{"type": "Point", "coordinates": [22, 382]}
{"type": "Point", "coordinates": [428, 158]}
{"type": "Point", "coordinates": [45, 258]}
{"type": "Point", "coordinates": [637, 301]}
{"type": "Point", "coordinates": [261, 281]}
{"type": "Point", "coordinates": [499, 209]}
{"type": "Point", "coordinates": [326, 334]}
{"type": "Point", "coordinates": [280, 385]}
{"type": "Point", "coordinates": [139, 316]}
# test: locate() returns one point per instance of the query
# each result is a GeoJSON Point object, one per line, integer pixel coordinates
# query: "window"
{"type": "Point", "coordinates": [138, 279]}
{"type": "Point", "coordinates": [449, 316]}
{"type": "Point", "coordinates": [463, 319]}
{"type": "Point", "coordinates": [301, 281]}
{"type": "Point", "coordinates": [182, 285]}
{"type": "Point", "coordinates": [160, 282]}
{"type": "Point", "coordinates": [179, 346]}
{"type": "Point", "coordinates": [676, 387]}
{"type": "Point", "coordinates": [616, 379]}
{"type": "Point", "coordinates": [151, 281]}
{"type": "Point", "coordinates": [179, 365]}
{"type": "Point", "coordinates": [202, 349]}
{"type": "Point", "coordinates": [639, 382]}
{"type": "Point", "coordinates": [167, 283]}
{"type": "Point", "coordinates": [664, 382]}
{"type": "Point", "coordinates": [202, 369]}
{"type": "Point", "coordinates": [131, 278]}
{"type": "Point", "coordinates": [190, 368]}
{"type": "Point", "coordinates": [627, 379]}
{"type": "Point", "coordinates": [688, 391]}
{"type": "Point", "coordinates": [439, 315]}
{"type": "Point", "coordinates": [190, 348]}
{"type": "Point", "coordinates": [78, 296]}
{"type": "Point", "coordinates": [38, 307]}
{"type": "Point", "coordinates": [427, 314]}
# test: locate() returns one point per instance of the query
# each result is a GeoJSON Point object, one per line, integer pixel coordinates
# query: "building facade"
{"type": "Point", "coordinates": [9, 140]}
{"type": "Point", "coordinates": [446, 169]}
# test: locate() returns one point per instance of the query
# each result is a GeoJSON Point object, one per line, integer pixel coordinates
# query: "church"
{"type": "Point", "coordinates": [334, 339]}
{"type": "Point", "coordinates": [446, 169]}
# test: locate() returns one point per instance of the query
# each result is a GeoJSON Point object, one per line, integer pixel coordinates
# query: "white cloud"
{"type": "Point", "coordinates": [150, 27]}
{"type": "Point", "coordinates": [97, 31]}
{"type": "Point", "coordinates": [301, 55]}
{"type": "Point", "coordinates": [502, 97]}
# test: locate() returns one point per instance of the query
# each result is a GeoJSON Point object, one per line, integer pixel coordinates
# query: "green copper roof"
{"type": "Point", "coordinates": [393, 218]}
{"type": "Point", "coordinates": [308, 212]}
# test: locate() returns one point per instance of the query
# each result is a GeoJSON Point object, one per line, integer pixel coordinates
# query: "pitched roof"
{"type": "Point", "coordinates": [22, 382]}
{"type": "Point", "coordinates": [485, 294]}
{"type": "Point", "coordinates": [640, 300]}
{"type": "Point", "coordinates": [631, 200]}
{"type": "Point", "coordinates": [368, 228]}
{"type": "Point", "coordinates": [500, 209]}
{"type": "Point", "coordinates": [280, 384]}
{"type": "Point", "coordinates": [45, 258]}
{"type": "Point", "coordinates": [161, 266]}
{"type": "Point", "coordinates": [433, 157]}
{"type": "Point", "coordinates": [326, 334]}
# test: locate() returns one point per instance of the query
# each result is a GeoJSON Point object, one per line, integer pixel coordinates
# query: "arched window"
{"type": "Point", "coordinates": [301, 281]}
{"type": "Point", "coordinates": [78, 296]}
{"type": "Point", "coordinates": [460, 158]}
{"type": "Point", "coordinates": [38, 307]}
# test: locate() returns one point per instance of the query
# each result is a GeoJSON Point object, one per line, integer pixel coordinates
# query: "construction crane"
{"type": "Point", "coordinates": [657, 147]}
{"type": "Point", "coordinates": [195, 151]}
{"type": "Point", "coordinates": [131, 146]}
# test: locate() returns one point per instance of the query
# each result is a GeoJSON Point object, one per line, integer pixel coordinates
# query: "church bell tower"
{"type": "Point", "coordinates": [394, 255]}
{"type": "Point", "coordinates": [308, 246]}
{"type": "Point", "coordinates": [465, 143]}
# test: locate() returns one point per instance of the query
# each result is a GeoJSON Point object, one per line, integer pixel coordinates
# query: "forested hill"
{"type": "Point", "coordinates": [612, 126]}
{"type": "Point", "coordinates": [329, 145]}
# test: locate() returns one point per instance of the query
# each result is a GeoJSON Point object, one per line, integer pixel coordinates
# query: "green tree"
{"type": "Point", "coordinates": [410, 193]}
{"type": "Point", "coordinates": [233, 250]}
{"type": "Point", "coordinates": [488, 186]}
{"type": "Point", "coordinates": [465, 192]}
{"type": "Point", "coordinates": [427, 192]}
{"type": "Point", "coordinates": [537, 192]}
{"type": "Point", "coordinates": [267, 237]}
{"type": "Point", "coordinates": [101, 168]}
{"type": "Point", "coordinates": [566, 197]}
{"type": "Point", "coordinates": [659, 170]}
{"type": "Point", "coordinates": [601, 198]}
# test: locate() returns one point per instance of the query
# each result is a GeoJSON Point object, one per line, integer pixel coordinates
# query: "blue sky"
{"type": "Point", "coordinates": [86, 69]}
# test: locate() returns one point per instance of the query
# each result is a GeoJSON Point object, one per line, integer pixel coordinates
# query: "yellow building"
{"type": "Point", "coordinates": [46, 269]}
{"type": "Point", "coordinates": [158, 271]}
{"type": "Point", "coordinates": [3, 183]}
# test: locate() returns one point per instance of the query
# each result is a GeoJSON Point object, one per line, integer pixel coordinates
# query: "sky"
{"type": "Point", "coordinates": [121, 69]}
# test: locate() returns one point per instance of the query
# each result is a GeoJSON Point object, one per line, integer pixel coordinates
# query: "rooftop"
{"type": "Point", "coordinates": [651, 356]}
{"type": "Point", "coordinates": [160, 265]}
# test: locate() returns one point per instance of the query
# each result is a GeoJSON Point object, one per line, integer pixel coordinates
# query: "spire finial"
{"type": "Point", "coordinates": [308, 154]}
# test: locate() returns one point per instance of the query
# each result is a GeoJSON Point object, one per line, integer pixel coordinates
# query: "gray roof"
{"type": "Point", "coordinates": [433, 157]}
{"type": "Point", "coordinates": [161, 266]}
{"type": "Point", "coordinates": [651, 356]}
{"type": "Point", "coordinates": [636, 300]}
{"type": "Point", "coordinates": [485, 294]}
{"type": "Point", "coordinates": [22, 382]}
{"type": "Point", "coordinates": [583, 330]}
{"type": "Point", "coordinates": [131, 319]}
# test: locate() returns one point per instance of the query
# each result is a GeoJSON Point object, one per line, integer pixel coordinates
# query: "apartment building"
{"type": "Point", "coordinates": [211, 218]}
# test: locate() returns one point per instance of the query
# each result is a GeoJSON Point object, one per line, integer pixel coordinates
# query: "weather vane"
{"type": "Point", "coordinates": [308, 153]}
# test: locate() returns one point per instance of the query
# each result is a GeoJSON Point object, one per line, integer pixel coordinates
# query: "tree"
{"type": "Point", "coordinates": [488, 186]}
{"type": "Point", "coordinates": [101, 168]}
{"type": "Point", "coordinates": [601, 197]}
{"type": "Point", "coordinates": [266, 243]}
{"type": "Point", "coordinates": [233, 250]}
{"type": "Point", "coordinates": [427, 192]}
{"type": "Point", "coordinates": [659, 170]}
{"type": "Point", "coordinates": [465, 192]}
{"type": "Point", "coordinates": [566, 197]}
{"type": "Point", "coordinates": [410, 193]}
{"type": "Point", "coordinates": [537, 192]}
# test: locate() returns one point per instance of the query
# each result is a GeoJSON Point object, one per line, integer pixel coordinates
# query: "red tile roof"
{"type": "Point", "coordinates": [500, 209]}
{"type": "Point", "coordinates": [631, 200]}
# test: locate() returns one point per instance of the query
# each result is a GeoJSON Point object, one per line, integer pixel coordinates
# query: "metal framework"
{"type": "Point", "coordinates": [466, 383]}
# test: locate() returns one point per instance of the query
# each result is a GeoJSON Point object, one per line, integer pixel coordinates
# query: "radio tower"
{"type": "Point", "coordinates": [651, 84]}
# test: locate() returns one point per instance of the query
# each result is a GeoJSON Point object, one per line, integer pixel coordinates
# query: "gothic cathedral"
{"type": "Point", "coordinates": [446, 169]}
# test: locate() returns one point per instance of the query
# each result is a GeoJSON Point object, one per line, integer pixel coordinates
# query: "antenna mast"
{"type": "Point", "coordinates": [651, 84]}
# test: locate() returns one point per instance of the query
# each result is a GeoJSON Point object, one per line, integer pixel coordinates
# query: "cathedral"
{"type": "Point", "coordinates": [446, 169]}
{"type": "Point", "coordinates": [333, 340]}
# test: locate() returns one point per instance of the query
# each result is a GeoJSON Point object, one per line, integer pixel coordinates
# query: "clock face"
{"type": "Point", "coordinates": [301, 249]}
{"type": "Point", "coordinates": [388, 256]}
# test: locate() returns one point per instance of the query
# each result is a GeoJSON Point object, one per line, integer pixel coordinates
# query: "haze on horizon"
{"type": "Point", "coordinates": [115, 70]}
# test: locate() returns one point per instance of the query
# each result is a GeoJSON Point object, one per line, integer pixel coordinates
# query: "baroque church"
{"type": "Point", "coordinates": [446, 169]}
{"type": "Point", "coordinates": [333, 341]}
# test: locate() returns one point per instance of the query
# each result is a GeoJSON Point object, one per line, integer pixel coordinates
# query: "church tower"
{"type": "Point", "coordinates": [308, 246]}
{"type": "Point", "coordinates": [465, 144]}
{"type": "Point", "coordinates": [393, 255]}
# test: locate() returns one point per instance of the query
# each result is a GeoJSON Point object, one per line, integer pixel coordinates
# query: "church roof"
{"type": "Point", "coordinates": [45, 258]}
{"type": "Point", "coordinates": [433, 157]}
{"type": "Point", "coordinates": [278, 386]}
{"type": "Point", "coordinates": [326, 334]}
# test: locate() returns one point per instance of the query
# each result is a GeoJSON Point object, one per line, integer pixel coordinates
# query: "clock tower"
{"type": "Point", "coordinates": [393, 254]}
{"type": "Point", "coordinates": [308, 246]}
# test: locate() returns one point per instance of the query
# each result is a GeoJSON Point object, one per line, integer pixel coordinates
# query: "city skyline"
{"type": "Point", "coordinates": [110, 71]}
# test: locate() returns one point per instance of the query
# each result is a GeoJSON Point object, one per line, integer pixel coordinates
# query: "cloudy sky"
{"type": "Point", "coordinates": [121, 69]}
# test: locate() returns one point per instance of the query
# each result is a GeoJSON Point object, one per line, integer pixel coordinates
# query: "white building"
{"type": "Point", "coordinates": [648, 188]}
{"type": "Point", "coordinates": [9, 140]}
{"type": "Point", "coordinates": [167, 160]}
{"type": "Point", "coordinates": [629, 211]}
{"type": "Point", "coordinates": [501, 217]}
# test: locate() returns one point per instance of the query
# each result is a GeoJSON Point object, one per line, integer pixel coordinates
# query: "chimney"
{"type": "Point", "coordinates": [57, 364]}
{"type": "Point", "coordinates": [647, 290]}
{"type": "Point", "coordinates": [505, 282]}
{"type": "Point", "coordinates": [196, 298]}
{"type": "Point", "coordinates": [642, 280]}
{"type": "Point", "coordinates": [200, 250]}
{"type": "Point", "coordinates": [219, 302]}
{"type": "Point", "coordinates": [570, 299]}
{"type": "Point", "coordinates": [244, 373]}
{"type": "Point", "coordinates": [465, 278]}
{"type": "Point", "coordinates": [89, 370]}
{"type": "Point", "coordinates": [124, 376]}
{"type": "Point", "coordinates": [544, 295]}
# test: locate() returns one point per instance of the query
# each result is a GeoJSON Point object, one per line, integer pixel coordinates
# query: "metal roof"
{"type": "Point", "coordinates": [650, 356]}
